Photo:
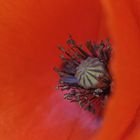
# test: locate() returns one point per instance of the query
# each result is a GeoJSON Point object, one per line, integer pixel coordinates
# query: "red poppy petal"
{"type": "Point", "coordinates": [124, 23]}
{"type": "Point", "coordinates": [30, 31]}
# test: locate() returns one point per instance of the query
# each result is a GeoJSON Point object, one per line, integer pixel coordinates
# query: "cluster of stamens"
{"type": "Point", "coordinates": [84, 73]}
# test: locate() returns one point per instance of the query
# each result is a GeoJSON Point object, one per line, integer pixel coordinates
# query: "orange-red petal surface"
{"type": "Point", "coordinates": [29, 33]}
{"type": "Point", "coordinates": [122, 119]}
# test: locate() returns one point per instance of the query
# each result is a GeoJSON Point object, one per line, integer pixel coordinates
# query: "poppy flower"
{"type": "Point", "coordinates": [30, 108]}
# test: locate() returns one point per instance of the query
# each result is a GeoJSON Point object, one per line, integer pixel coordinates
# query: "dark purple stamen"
{"type": "Point", "coordinates": [84, 76]}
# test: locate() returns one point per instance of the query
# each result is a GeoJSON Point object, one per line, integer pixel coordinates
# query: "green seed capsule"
{"type": "Point", "coordinates": [89, 71]}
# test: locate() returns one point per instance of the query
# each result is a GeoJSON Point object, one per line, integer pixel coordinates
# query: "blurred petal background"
{"type": "Point", "coordinates": [30, 108]}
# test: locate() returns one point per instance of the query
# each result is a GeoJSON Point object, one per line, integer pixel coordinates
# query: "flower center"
{"type": "Point", "coordinates": [89, 71]}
